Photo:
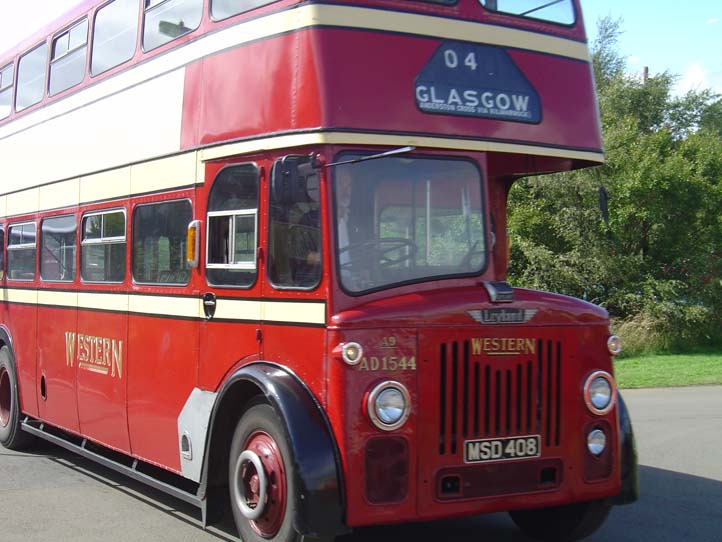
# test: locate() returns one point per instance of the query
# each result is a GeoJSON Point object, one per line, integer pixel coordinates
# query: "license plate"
{"type": "Point", "coordinates": [502, 449]}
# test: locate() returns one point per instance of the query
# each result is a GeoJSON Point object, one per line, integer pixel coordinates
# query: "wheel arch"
{"type": "Point", "coordinates": [317, 465]}
{"type": "Point", "coordinates": [5, 338]}
{"type": "Point", "coordinates": [628, 454]}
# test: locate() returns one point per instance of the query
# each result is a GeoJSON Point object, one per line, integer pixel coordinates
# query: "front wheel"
{"type": "Point", "coordinates": [562, 523]}
{"type": "Point", "coordinates": [12, 436]}
{"type": "Point", "coordinates": [260, 478]}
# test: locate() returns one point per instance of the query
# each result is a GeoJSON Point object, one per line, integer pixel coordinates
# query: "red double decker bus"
{"type": "Point", "coordinates": [255, 254]}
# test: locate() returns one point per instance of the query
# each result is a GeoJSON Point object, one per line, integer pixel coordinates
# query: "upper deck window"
{"type": "Point", "coordinates": [6, 90]}
{"type": "Point", "coordinates": [407, 219]}
{"type": "Point", "coordinates": [166, 20]}
{"type": "Point", "coordinates": [70, 51]}
{"type": "Point", "coordinates": [115, 33]}
{"type": "Point", "coordinates": [21, 251]}
{"type": "Point", "coordinates": [31, 77]}
{"type": "Point", "coordinates": [555, 11]}
{"type": "Point", "coordinates": [222, 9]}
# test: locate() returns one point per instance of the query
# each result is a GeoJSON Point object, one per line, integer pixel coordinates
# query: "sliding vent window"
{"type": "Point", "coordinates": [233, 227]}
{"type": "Point", "coordinates": [159, 243]}
{"type": "Point", "coordinates": [21, 251]}
{"type": "Point", "coordinates": [222, 9]}
{"type": "Point", "coordinates": [31, 77]}
{"type": "Point", "coordinates": [70, 51]}
{"type": "Point", "coordinates": [166, 20]}
{"type": "Point", "coordinates": [6, 90]}
{"type": "Point", "coordinates": [559, 11]}
{"type": "Point", "coordinates": [115, 34]}
{"type": "Point", "coordinates": [102, 248]}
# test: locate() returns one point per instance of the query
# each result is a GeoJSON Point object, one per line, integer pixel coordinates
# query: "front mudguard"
{"type": "Point", "coordinates": [628, 448]}
{"type": "Point", "coordinates": [317, 463]}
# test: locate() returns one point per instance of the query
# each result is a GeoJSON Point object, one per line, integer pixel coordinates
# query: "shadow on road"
{"type": "Point", "coordinates": [673, 506]}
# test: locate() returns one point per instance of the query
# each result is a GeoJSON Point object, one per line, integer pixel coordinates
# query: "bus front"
{"type": "Point", "coordinates": [450, 392]}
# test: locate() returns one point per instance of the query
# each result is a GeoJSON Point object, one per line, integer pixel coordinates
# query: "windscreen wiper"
{"type": "Point", "coordinates": [392, 152]}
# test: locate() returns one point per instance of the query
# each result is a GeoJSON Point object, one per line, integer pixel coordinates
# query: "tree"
{"type": "Point", "coordinates": [662, 246]}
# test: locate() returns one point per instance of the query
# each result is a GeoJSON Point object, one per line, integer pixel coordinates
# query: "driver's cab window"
{"type": "Point", "coordinates": [294, 245]}
{"type": "Point", "coordinates": [232, 235]}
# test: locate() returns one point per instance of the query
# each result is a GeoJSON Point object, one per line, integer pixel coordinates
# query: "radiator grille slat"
{"type": "Point", "coordinates": [498, 397]}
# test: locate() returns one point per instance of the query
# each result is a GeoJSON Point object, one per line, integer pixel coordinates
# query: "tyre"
{"type": "Point", "coordinates": [12, 436]}
{"type": "Point", "coordinates": [562, 523]}
{"type": "Point", "coordinates": [261, 478]}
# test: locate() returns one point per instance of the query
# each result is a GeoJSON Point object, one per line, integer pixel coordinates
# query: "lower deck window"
{"type": "Point", "coordinates": [21, 251]}
{"type": "Point", "coordinates": [57, 248]}
{"type": "Point", "coordinates": [159, 242]}
{"type": "Point", "coordinates": [103, 247]}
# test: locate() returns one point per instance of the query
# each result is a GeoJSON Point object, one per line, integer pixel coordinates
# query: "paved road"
{"type": "Point", "coordinates": [51, 495]}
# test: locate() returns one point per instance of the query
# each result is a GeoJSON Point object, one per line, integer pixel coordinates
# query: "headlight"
{"type": "Point", "coordinates": [596, 442]}
{"type": "Point", "coordinates": [599, 392]}
{"type": "Point", "coordinates": [389, 405]}
{"type": "Point", "coordinates": [614, 345]}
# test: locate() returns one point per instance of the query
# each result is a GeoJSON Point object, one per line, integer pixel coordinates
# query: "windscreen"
{"type": "Point", "coordinates": [556, 11]}
{"type": "Point", "coordinates": [407, 219]}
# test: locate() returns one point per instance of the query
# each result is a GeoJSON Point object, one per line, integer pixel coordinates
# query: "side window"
{"type": "Point", "coordinates": [31, 77]}
{"type": "Point", "coordinates": [102, 248]}
{"type": "Point", "coordinates": [294, 244]}
{"type": "Point", "coordinates": [6, 90]}
{"type": "Point", "coordinates": [2, 253]}
{"type": "Point", "coordinates": [67, 64]}
{"type": "Point", "coordinates": [222, 9]}
{"type": "Point", "coordinates": [21, 251]}
{"type": "Point", "coordinates": [57, 248]}
{"type": "Point", "coordinates": [166, 20]}
{"type": "Point", "coordinates": [159, 242]}
{"type": "Point", "coordinates": [232, 235]}
{"type": "Point", "coordinates": [115, 33]}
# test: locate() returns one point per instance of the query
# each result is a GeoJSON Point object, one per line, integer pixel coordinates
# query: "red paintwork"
{"type": "Point", "coordinates": [331, 90]}
{"type": "Point", "coordinates": [424, 318]}
{"type": "Point", "coordinates": [333, 79]}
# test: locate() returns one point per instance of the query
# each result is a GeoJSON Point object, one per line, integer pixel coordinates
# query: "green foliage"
{"type": "Point", "coordinates": [656, 264]}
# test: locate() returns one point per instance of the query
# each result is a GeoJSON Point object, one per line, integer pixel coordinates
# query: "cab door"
{"type": "Point", "coordinates": [295, 285]}
{"type": "Point", "coordinates": [231, 292]}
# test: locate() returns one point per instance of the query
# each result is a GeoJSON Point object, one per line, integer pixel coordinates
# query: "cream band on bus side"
{"type": "Point", "coordinates": [242, 310]}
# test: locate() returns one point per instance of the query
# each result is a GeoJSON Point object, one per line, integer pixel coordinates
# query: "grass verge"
{"type": "Point", "coordinates": [668, 370]}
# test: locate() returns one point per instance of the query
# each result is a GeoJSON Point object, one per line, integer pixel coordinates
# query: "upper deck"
{"type": "Point", "coordinates": [378, 72]}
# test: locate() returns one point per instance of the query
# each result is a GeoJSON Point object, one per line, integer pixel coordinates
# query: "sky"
{"type": "Point", "coordinates": [684, 38]}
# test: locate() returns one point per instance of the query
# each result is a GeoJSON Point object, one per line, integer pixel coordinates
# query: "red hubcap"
{"type": "Point", "coordinates": [4, 397]}
{"type": "Point", "coordinates": [263, 445]}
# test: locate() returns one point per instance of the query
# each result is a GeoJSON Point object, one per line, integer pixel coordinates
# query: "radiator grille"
{"type": "Point", "coordinates": [498, 397]}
